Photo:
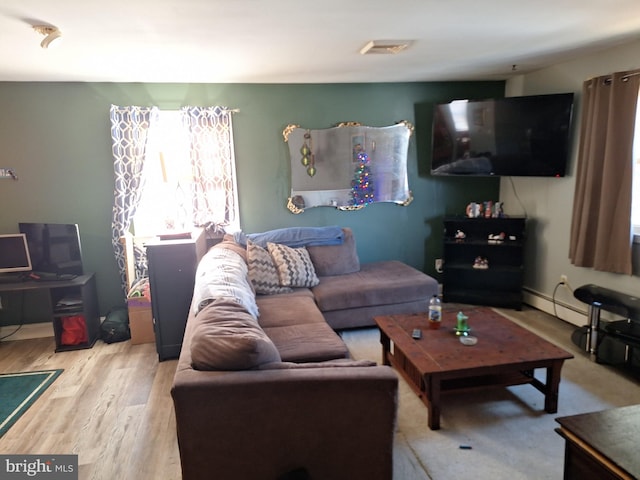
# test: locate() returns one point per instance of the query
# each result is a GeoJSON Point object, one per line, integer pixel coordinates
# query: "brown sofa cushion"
{"type": "Point", "coordinates": [378, 283]}
{"type": "Point", "coordinates": [307, 342]}
{"type": "Point", "coordinates": [288, 309]}
{"type": "Point", "coordinates": [298, 329]}
{"type": "Point", "coordinates": [336, 259]}
{"type": "Point", "coordinates": [226, 337]}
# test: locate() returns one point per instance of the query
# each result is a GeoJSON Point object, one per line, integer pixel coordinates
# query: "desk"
{"type": "Point", "coordinates": [602, 445]}
{"type": "Point", "coordinates": [81, 289]}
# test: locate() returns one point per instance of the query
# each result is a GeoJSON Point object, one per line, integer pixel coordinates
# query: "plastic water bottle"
{"type": "Point", "coordinates": [435, 312]}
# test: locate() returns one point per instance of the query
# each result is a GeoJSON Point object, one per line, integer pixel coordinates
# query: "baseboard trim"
{"type": "Point", "coordinates": [27, 331]}
{"type": "Point", "coordinates": [564, 311]}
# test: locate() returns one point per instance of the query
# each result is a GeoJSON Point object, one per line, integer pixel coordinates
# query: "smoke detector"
{"type": "Point", "coordinates": [388, 47]}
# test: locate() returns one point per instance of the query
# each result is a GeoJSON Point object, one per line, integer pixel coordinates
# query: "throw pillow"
{"type": "Point", "coordinates": [226, 337]}
{"type": "Point", "coordinates": [262, 271]}
{"type": "Point", "coordinates": [294, 265]}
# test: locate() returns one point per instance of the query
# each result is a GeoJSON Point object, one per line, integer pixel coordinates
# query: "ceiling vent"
{"type": "Point", "coordinates": [388, 47]}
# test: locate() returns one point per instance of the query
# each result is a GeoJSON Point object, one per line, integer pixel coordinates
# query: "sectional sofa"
{"type": "Point", "coordinates": [265, 387]}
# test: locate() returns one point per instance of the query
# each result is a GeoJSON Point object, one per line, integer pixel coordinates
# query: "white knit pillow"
{"type": "Point", "coordinates": [262, 271]}
{"type": "Point", "coordinates": [295, 268]}
{"type": "Point", "coordinates": [223, 273]}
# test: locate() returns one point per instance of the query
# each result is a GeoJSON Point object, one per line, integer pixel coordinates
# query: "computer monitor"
{"type": "Point", "coordinates": [14, 253]}
{"type": "Point", "coordinates": [54, 247]}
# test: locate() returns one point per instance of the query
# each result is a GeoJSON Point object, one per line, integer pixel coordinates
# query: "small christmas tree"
{"type": "Point", "coordinates": [362, 183]}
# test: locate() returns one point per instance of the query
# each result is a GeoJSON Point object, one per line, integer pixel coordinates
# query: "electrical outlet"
{"type": "Point", "coordinates": [564, 279]}
{"type": "Point", "coordinates": [439, 265]}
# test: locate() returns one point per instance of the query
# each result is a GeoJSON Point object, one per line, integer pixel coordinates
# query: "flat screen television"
{"type": "Point", "coordinates": [515, 136]}
{"type": "Point", "coordinates": [54, 247]}
{"type": "Point", "coordinates": [14, 254]}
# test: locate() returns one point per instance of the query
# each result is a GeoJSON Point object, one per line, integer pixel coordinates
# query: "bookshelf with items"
{"type": "Point", "coordinates": [484, 260]}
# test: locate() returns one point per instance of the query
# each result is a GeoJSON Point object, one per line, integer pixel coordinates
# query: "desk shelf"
{"type": "Point", "coordinates": [82, 289]}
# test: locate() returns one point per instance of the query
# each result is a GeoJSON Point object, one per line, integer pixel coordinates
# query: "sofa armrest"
{"type": "Point", "coordinates": [336, 423]}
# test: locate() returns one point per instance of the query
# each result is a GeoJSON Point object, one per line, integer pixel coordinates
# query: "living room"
{"type": "Point", "coordinates": [72, 159]}
{"type": "Point", "coordinates": [56, 137]}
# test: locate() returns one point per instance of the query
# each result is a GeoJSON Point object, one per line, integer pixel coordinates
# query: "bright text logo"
{"type": "Point", "coordinates": [50, 467]}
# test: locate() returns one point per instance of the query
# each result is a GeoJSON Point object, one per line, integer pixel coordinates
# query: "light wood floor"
{"type": "Point", "coordinates": [111, 407]}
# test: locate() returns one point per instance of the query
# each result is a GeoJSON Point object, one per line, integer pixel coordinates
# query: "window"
{"type": "Point", "coordinates": [180, 163]}
{"type": "Point", "coordinates": [166, 174]}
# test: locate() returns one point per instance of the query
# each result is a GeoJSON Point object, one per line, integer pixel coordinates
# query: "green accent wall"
{"type": "Point", "coordinates": [57, 138]}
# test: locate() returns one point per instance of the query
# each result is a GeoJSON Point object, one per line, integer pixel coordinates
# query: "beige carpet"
{"type": "Point", "coordinates": [510, 435]}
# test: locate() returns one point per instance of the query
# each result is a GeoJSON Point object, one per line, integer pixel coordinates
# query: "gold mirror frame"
{"type": "Point", "coordinates": [348, 166]}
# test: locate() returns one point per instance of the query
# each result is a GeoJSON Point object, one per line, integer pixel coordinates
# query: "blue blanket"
{"type": "Point", "coordinates": [295, 236]}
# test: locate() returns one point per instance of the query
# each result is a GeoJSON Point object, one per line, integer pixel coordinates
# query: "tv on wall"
{"type": "Point", "coordinates": [54, 247]}
{"type": "Point", "coordinates": [515, 136]}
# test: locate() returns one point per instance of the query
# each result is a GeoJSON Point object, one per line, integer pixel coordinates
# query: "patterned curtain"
{"type": "Point", "coordinates": [129, 133]}
{"type": "Point", "coordinates": [214, 191]}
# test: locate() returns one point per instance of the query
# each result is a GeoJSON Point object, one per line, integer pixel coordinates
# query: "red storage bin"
{"type": "Point", "coordinates": [74, 330]}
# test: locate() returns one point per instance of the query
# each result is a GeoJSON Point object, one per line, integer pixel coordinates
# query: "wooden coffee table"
{"type": "Point", "coordinates": [506, 354]}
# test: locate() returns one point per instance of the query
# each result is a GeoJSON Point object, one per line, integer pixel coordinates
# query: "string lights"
{"type": "Point", "coordinates": [362, 191]}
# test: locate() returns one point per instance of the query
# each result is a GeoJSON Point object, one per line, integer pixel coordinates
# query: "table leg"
{"type": "Point", "coordinates": [432, 401]}
{"type": "Point", "coordinates": [552, 387]}
{"type": "Point", "coordinates": [592, 330]}
{"type": "Point", "coordinates": [386, 348]}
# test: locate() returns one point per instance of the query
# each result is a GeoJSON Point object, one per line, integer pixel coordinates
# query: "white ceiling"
{"type": "Point", "coordinates": [302, 41]}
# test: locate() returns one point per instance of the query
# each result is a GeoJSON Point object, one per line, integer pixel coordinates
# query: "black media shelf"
{"type": "Point", "coordinates": [623, 336]}
{"type": "Point", "coordinates": [500, 284]}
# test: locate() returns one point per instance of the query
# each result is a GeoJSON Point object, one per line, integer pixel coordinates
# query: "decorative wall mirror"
{"type": "Point", "coordinates": [348, 166]}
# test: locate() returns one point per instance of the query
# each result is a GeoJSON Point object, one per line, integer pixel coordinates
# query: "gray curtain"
{"type": "Point", "coordinates": [129, 134]}
{"type": "Point", "coordinates": [601, 233]}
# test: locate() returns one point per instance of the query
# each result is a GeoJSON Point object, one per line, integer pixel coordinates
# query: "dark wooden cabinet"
{"type": "Point", "coordinates": [468, 240]}
{"type": "Point", "coordinates": [172, 269]}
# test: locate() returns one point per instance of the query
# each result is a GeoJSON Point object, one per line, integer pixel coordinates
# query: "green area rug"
{"type": "Point", "coordinates": [18, 391]}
